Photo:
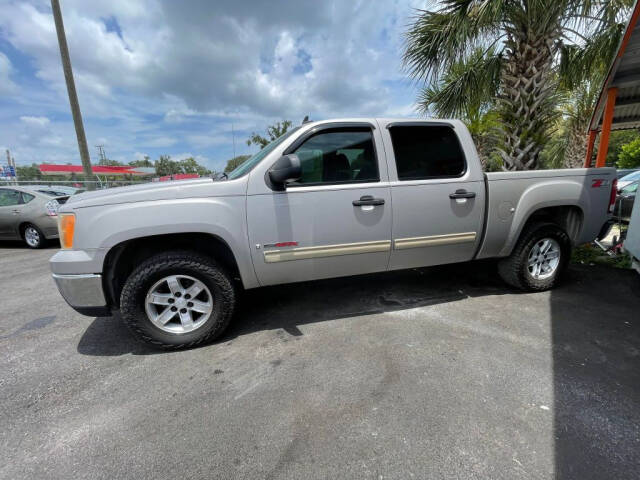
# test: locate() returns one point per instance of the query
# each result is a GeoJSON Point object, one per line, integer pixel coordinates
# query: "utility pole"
{"type": "Point", "coordinates": [73, 96]}
{"type": "Point", "coordinates": [101, 153]}
{"type": "Point", "coordinates": [11, 162]}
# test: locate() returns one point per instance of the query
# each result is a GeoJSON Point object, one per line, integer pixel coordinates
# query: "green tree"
{"type": "Point", "coordinates": [110, 163]}
{"type": "Point", "coordinates": [516, 52]}
{"type": "Point", "coordinates": [617, 140]}
{"type": "Point", "coordinates": [165, 166]}
{"type": "Point", "coordinates": [630, 155]}
{"type": "Point", "coordinates": [144, 163]}
{"type": "Point", "coordinates": [567, 146]}
{"type": "Point", "coordinates": [235, 162]}
{"type": "Point", "coordinates": [273, 131]}
{"type": "Point", "coordinates": [29, 172]}
{"type": "Point", "coordinates": [189, 165]}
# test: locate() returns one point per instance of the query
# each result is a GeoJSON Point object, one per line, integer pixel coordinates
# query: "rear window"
{"type": "Point", "coordinates": [53, 193]}
{"type": "Point", "coordinates": [427, 151]}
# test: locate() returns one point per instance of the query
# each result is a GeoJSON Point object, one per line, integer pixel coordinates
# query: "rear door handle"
{"type": "Point", "coordinates": [462, 193]}
{"type": "Point", "coordinates": [368, 200]}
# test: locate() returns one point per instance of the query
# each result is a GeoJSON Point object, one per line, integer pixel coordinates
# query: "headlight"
{"type": "Point", "coordinates": [66, 228]}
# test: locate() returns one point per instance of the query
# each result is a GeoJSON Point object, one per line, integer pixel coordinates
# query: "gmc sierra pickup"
{"type": "Point", "coordinates": [326, 199]}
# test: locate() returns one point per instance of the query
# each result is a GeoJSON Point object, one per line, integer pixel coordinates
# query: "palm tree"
{"type": "Point", "coordinates": [477, 112]}
{"type": "Point", "coordinates": [513, 51]}
{"type": "Point", "coordinates": [568, 147]}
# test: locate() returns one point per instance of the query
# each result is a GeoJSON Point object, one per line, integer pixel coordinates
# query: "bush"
{"type": "Point", "coordinates": [629, 156]}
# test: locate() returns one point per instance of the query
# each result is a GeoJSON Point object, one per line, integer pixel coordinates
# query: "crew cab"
{"type": "Point", "coordinates": [326, 199]}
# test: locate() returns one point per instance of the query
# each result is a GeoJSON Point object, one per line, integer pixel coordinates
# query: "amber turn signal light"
{"type": "Point", "coordinates": [66, 229]}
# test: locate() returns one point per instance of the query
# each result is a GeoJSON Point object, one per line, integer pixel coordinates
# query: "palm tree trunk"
{"type": "Point", "coordinates": [576, 147]}
{"type": "Point", "coordinates": [526, 96]}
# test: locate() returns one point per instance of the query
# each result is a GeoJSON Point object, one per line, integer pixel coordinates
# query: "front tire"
{"type": "Point", "coordinates": [177, 300]}
{"type": "Point", "coordinates": [539, 258]}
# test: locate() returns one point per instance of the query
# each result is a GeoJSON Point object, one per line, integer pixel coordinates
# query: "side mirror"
{"type": "Point", "coordinates": [286, 169]}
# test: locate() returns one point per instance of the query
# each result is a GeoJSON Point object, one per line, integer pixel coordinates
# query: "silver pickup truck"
{"type": "Point", "coordinates": [326, 199]}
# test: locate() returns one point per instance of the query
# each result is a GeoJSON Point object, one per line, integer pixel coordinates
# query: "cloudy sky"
{"type": "Point", "coordinates": [172, 77]}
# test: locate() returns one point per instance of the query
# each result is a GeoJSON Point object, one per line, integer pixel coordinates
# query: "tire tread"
{"type": "Point", "coordinates": [511, 268]}
{"type": "Point", "coordinates": [207, 266]}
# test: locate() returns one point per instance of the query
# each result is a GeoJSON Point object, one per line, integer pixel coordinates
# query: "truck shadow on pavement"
{"type": "Point", "coordinates": [288, 306]}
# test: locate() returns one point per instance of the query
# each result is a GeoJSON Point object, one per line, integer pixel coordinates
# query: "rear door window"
{"type": "Point", "coordinates": [427, 151]}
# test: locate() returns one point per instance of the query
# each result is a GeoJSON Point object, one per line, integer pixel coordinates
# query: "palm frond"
{"type": "Point", "coordinates": [469, 85]}
{"type": "Point", "coordinates": [581, 62]}
{"type": "Point", "coordinates": [438, 39]}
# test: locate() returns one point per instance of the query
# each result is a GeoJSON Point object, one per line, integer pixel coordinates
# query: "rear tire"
{"type": "Point", "coordinates": [33, 236]}
{"type": "Point", "coordinates": [539, 258]}
{"type": "Point", "coordinates": [152, 291]}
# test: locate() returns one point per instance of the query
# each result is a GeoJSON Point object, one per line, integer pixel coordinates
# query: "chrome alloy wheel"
{"type": "Point", "coordinates": [31, 236]}
{"type": "Point", "coordinates": [178, 304]}
{"type": "Point", "coordinates": [544, 258]}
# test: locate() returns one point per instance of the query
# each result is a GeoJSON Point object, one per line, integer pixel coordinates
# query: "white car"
{"type": "Point", "coordinates": [628, 179]}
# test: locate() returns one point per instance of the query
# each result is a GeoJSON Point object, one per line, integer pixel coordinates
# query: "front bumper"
{"type": "Point", "coordinates": [83, 292]}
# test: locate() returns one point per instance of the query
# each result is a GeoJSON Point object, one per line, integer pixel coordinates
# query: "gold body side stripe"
{"type": "Point", "coordinates": [434, 240]}
{"type": "Point", "coordinates": [301, 253]}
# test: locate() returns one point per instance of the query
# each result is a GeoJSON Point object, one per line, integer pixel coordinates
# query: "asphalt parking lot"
{"type": "Point", "coordinates": [435, 373]}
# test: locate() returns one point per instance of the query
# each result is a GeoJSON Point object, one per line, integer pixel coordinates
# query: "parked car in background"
{"type": "Point", "coordinates": [29, 215]}
{"type": "Point", "coordinates": [326, 199]}
{"type": "Point", "coordinates": [624, 202]}
{"type": "Point", "coordinates": [623, 172]}
{"type": "Point", "coordinates": [628, 179]}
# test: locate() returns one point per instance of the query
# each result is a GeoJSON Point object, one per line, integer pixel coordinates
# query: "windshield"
{"type": "Point", "coordinates": [246, 166]}
{"type": "Point", "coordinates": [631, 177]}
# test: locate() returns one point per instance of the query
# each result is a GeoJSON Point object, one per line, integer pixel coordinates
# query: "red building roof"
{"type": "Point", "coordinates": [48, 169]}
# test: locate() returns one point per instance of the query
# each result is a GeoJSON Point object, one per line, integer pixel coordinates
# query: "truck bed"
{"type": "Point", "coordinates": [512, 197]}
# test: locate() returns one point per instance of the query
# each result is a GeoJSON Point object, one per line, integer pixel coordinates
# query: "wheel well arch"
{"type": "Point", "coordinates": [123, 258]}
{"type": "Point", "coordinates": [569, 217]}
{"type": "Point", "coordinates": [22, 227]}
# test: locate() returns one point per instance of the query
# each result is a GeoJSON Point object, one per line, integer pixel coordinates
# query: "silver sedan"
{"type": "Point", "coordinates": [29, 215]}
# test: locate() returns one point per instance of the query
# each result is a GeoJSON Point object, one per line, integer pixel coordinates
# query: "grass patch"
{"type": "Point", "coordinates": [593, 255]}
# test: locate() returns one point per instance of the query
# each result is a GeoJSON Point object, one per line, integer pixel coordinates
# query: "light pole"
{"type": "Point", "coordinates": [73, 96]}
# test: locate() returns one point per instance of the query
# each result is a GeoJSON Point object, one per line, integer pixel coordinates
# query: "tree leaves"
{"type": "Point", "coordinates": [512, 56]}
{"type": "Point", "coordinates": [273, 131]}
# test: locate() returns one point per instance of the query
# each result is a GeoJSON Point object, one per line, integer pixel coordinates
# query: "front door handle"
{"type": "Point", "coordinates": [462, 193]}
{"type": "Point", "coordinates": [16, 212]}
{"type": "Point", "coordinates": [368, 200]}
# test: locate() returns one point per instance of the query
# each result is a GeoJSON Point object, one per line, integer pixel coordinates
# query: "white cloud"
{"type": "Point", "coordinates": [35, 121]}
{"type": "Point", "coordinates": [7, 86]}
{"type": "Point", "coordinates": [160, 74]}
